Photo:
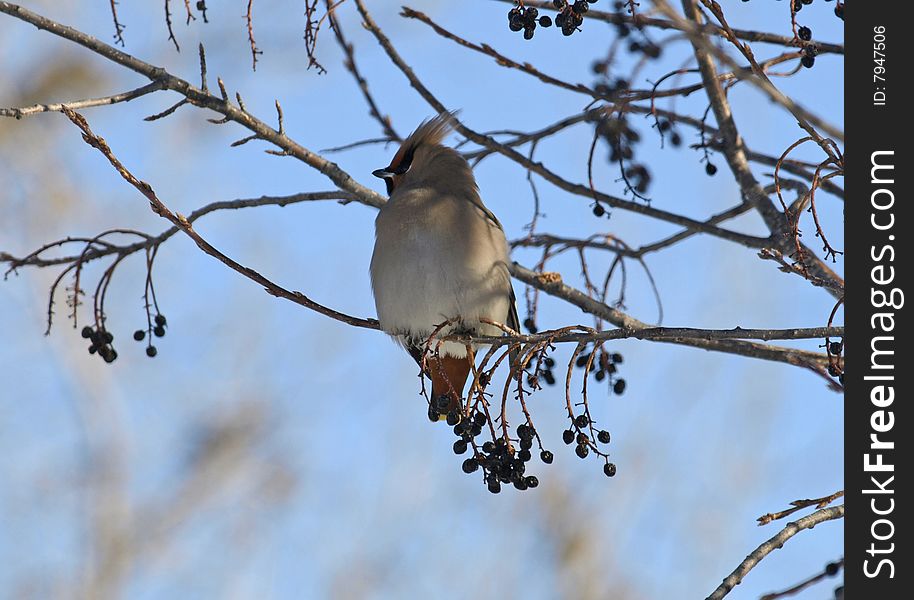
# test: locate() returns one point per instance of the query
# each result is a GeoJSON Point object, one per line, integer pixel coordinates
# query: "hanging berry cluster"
{"type": "Point", "coordinates": [809, 50]}
{"type": "Point", "coordinates": [503, 456]}
{"type": "Point", "coordinates": [504, 459]}
{"type": "Point", "coordinates": [834, 350]}
{"type": "Point", "coordinates": [622, 140]}
{"type": "Point", "coordinates": [568, 19]}
{"type": "Point", "coordinates": [501, 462]}
{"type": "Point", "coordinates": [101, 342]}
{"type": "Point", "coordinates": [157, 330]}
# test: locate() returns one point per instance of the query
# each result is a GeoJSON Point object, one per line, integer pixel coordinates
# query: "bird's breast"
{"type": "Point", "coordinates": [436, 261]}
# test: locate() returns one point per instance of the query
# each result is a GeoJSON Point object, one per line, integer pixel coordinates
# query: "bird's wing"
{"type": "Point", "coordinates": [513, 323]}
{"type": "Point", "coordinates": [489, 215]}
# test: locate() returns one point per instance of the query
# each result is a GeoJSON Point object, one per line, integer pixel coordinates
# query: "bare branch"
{"type": "Point", "coordinates": [777, 541]}
{"type": "Point", "coordinates": [201, 98]}
{"type": "Point", "coordinates": [28, 111]}
{"type": "Point", "coordinates": [184, 225]}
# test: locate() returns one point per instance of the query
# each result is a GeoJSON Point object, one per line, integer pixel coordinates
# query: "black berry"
{"type": "Point", "coordinates": [609, 469]}
{"type": "Point", "coordinates": [603, 436]}
{"type": "Point", "coordinates": [151, 351]}
{"type": "Point", "coordinates": [546, 457]}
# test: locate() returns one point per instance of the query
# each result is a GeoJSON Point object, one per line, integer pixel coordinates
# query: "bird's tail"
{"type": "Point", "coordinates": [449, 376]}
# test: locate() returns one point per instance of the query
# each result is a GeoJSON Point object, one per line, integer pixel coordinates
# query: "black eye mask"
{"type": "Point", "coordinates": [388, 174]}
{"type": "Point", "coordinates": [405, 163]}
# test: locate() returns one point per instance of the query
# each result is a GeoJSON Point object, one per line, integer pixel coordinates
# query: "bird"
{"type": "Point", "coordinates": [440, 256]}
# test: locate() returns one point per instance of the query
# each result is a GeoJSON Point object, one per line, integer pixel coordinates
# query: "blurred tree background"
{"type": "Point", "coordinates": [268, 451]}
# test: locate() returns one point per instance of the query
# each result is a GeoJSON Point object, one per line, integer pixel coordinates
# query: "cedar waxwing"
{"type": "Point", "coordinates": [439, 254]}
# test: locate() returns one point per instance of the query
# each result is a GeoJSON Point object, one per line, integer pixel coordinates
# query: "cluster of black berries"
{"type": "Point", "coordinates": [798, 6]}
{"type": "Point", "coordinates": [158, 331]}
{"type": "Point", "coordinates": [522, 18]}
{"type": "Point", "coordinates": [545, 371]}
{"type": "Point", "coordinates": [666, 126]}
{"type": "Point", "coordinates": [499, 461]}
{"type": "Point", "coordinates": [809, 50]}
{"type": "Point", "coordinates": [644, 45]}
{"type": "Point", "coordinates": [602, 366]}
{"type": "Point", "coordinates": [609, 89]}
{"type": "Point", "coordinates": [835, 349]}
{"type": "Point", "coordinates": [583, 443]}
{"type": "Point", "coordinates": [570, 16]}
{"type": "Point", "coordinates": [620, 137]}
{"type": "Point", "coordinates": [809, 55]}
{"type": "Point", "coordinates": [622, 140]}
{"type": "Point", "coordinates": [101, 342]}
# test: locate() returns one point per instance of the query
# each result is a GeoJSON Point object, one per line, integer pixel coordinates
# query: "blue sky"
{"type": "Point", "coordinates": [704, 442]}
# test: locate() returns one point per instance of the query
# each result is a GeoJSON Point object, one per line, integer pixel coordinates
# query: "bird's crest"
{"type": "Point", "coordinates": [431, 132]}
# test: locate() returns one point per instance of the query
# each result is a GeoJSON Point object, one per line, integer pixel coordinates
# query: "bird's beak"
{"type": "Point", "coordinates": [383, 173]}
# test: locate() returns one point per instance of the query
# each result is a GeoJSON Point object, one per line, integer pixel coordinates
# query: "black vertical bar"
{"type": "Point", "coordinates": [878, 525]}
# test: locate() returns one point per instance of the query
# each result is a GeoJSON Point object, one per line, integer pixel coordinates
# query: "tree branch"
{"type": "Point", "coordinates": [790, 530]}
{"type": "Point", "coordinates": [184, 225]}
{"type": "Point", "coordinates": [201, 98]}
{"type": "Point", "coordinates": [28, 111]}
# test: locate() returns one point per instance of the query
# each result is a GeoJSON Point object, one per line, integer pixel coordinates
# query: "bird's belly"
{"type": "Point", "coordinates": [425, 284]}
